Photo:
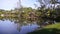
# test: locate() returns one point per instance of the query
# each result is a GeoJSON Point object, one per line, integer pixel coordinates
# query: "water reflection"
{"type": "Point", "coordinates": [9, 25]}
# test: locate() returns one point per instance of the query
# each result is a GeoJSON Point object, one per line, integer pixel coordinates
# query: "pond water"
{"type": "Point", "coordinates": [14, 26]}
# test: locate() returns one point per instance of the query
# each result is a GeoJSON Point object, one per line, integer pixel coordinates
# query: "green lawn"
{"type": "Point", "coordinates": [57, 26]}
{"type": "Point", "coordinates": [49, 29]}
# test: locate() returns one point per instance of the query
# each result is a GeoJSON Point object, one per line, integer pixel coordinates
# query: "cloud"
{"type": "Point", "coordinates": [11, 4]}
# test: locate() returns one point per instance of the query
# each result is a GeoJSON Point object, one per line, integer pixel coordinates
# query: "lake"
{"type": "Point", "coordinates": [15, 26]}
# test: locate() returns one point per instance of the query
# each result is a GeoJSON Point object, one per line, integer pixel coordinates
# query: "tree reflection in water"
{"type": "Point", "coordinates": [19, 22]}
{"type": "Point", "coordinates": [23, 22]}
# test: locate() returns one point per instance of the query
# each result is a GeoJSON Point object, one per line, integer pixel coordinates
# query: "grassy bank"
{"type": "Point", "coordinates": [49, 29]}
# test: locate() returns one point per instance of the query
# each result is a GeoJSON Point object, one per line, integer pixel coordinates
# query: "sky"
{"type": "Point", "coordinates": [11, 4]}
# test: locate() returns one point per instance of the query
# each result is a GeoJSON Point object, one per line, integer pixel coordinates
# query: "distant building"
{"type": "Point", "coordinates": [32, 16]}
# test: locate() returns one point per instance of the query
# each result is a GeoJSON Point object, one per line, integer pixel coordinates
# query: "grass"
{"type": "Point", "coordinates": [57, 26]}
{"type": "Point", "coordinates": [49, 29]}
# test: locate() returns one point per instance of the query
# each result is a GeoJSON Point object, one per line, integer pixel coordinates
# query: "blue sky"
{"type": "Point", "coordinates": [11, 4]}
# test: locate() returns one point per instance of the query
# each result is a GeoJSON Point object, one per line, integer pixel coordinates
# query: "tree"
{"type": "Point", "coordinates": [49, 12]}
